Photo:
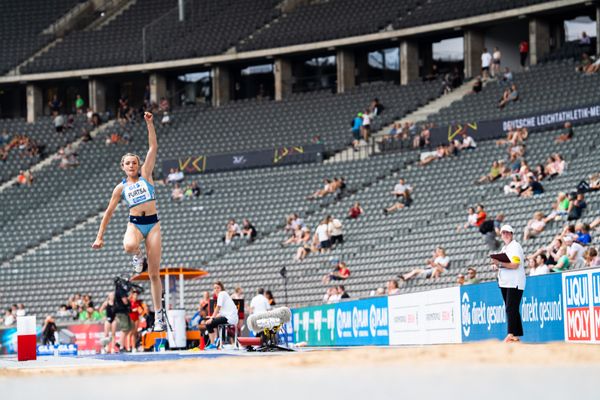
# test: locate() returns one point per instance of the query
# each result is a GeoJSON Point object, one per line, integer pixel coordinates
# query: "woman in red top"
{"type": "Point", "coordinates": [134, 315]}
{"type": "Point", "coordinates": [340, 273]}
{"type": "Point", "coordinates": [355, 211]}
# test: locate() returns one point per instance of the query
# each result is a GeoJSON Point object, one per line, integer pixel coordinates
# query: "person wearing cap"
{"type": "Point", "coordinates": [511, 280]}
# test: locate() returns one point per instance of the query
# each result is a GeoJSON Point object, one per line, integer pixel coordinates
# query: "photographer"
{"type": "Point", "coordinates": [122, 309]}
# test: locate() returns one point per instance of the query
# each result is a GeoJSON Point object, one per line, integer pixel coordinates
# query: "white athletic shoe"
{"type": "Point", "coordinates": [160, 321]}
{"type": "Point", "coordinates": [138, 262]}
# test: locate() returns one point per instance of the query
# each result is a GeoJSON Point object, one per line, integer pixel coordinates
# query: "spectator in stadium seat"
{"type": "Point", "coordinates": [471, 277]}
{"type": "Point", "coordinates": [535, 226]}
{"type": "Point", "coordinates": [366, 126]}
{"type": "Point", "coordinates": [177, 193]}
{"type": "Point", "coordinates": [334, 226]}
{"type": "Point", "coordinates": [471, 220]}
{"type": "Point", "coordinates": [577, 205]}
{"type": "Point", "coordinates": [328, 188]}
{"type": "Point", "coordinates": [356, 129]}
{"type": "Point", "coordinates": [25, 178]}
{"type": "Point", "coordinates": [560, 208]}
{"type": "Point", "coordinates": [496, 61]}
{"type": "Point", "coordinates": [523, 52]}
{"type": "Point", "coordinates": [79, 103]}
{"type": "Point", "coordinates": [355, 211]}
{"type": "Point", "coordinates": [166, 119]}
{"type": "Point", "coordinates": [296, 237]}
{"type": "Point", "coordinates": [574, 251]}
{"type": "Point", "coordinates": [423, 138]}
{"type": "Point", "coordinates": [584, 64]}
{"type": "Point", "coordinates": [495, 173]}
{"type": "Point", "coordinates": [436, 266]}
{"type": "Point", "coordinates": [490, 229]}
{"type": "Point", "coordinates": [555, 165]}
{"type": "Point", "coordinates": [59, 123]}
{"type": "Point", "coordinates": [507, 78]}
{"type": "Point", "coordinates": [467, 142]}
{"type": "Point", "coordinates": [270, 298]}
{"type": "Point", "coordinates": [460, 279]}
{"type": "Point", "coordinates": [375, 108]}
{"type": "Point", "coordinates": [55, 104]}
{"type": "Point", "coordinates": [341, 291]}
{"type": "Point", "coordinates": [531, 186]}
{"type": "Point", "coordinates": [306, 246]}
{"type": "Point", "coordinates": [477, 86]}
{"type": "Point", "coordinates": [322, 237]}
{"type": "Point", "coordinates": [340, 272]}
{"type": "Point", "coordinates": [232, 231]}
{"type": "Point", "coordinates": [175, 176]}
{"type": "Point", "coordinates": [9, 318]}
{"type": "Point", "coordinates": [583, 233]}
{"type": "Point", "coordinates": [392, 287]}
{"type": "Point", "coordinates": [486, 61]}
{"type": "Point", "coordinates": [538, 266]}
{"type": "Point", "coordinates": [403, 193]}
{"type": "Point", "coordinates": [566, 135]}
{"type": "Point", "coordinates": [248, 230]}
{"type": "Point", "coordinates": [331, 295]}
{"type": "Point", "coordinates": [591, 258]}
{"type": "Point", "coordinates": [508, 96]}
{"type": "Point", "coordinates": [591, 186]}
{"type": "Point", "coordinates": [164, 105]}
{"type": "Point", "coordinates": [124, 112]}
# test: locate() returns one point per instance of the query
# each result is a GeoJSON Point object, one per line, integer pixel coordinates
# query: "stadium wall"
{"type": "Point", "coordinates": [555, 307]}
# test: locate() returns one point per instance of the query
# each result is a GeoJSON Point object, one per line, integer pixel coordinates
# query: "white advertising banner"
{"type": "Point", "coordinates": [425, 318]}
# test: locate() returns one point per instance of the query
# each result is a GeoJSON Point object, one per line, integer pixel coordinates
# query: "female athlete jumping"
{"type": "Point", "coordinates": [137, 189]}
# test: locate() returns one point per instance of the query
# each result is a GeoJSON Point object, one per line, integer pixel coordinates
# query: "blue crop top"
{"type": "Point", "coordinates": [138, 193]}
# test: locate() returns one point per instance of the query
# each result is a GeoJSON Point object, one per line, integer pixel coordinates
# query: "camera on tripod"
{"type": "Point", "coordinates": [125, 286]}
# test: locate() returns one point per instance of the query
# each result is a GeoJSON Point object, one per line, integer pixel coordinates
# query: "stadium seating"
{"type": "Point", "coordinates": [202, 34]}
{"type": "Point", "coordinates": [377, 247]}
{"type": "Point", "coordinates": [551, 86]}
{"type": "Point", "coordinates": [21, 26]}
{"type": "Point", "coordinates": [257, 24]}
{"type": "Point", "coordinates": [43, 133]}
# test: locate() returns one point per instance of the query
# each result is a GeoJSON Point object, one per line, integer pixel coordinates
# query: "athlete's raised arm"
{"type": "Point", "coordinates": [112, 205]}
{"type": "Point", "coordinates": [150, 160]}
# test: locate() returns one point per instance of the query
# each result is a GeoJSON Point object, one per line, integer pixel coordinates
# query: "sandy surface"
{"type": "Point", "coordinates": [423, 372]}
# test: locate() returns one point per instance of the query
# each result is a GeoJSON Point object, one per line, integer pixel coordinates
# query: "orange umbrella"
{"type": "Point", "coordinates": [181, 272]}
{"type": "Point", "coordinates": [188, 273]}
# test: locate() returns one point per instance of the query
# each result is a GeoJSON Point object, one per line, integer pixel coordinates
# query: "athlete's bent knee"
{"type": "Point", "coordinates": [131, 247]}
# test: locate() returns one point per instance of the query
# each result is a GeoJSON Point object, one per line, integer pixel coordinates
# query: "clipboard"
{"type": "Point", "coordinates": [502, 257]}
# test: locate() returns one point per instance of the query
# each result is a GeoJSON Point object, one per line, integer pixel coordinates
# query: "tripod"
{"type": "Point", "coordinates": [169, 327]}
{"type": "Point", "coordinates": [283, 273]}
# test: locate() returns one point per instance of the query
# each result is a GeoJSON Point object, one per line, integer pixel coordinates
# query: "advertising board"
{"type": "Point", "coordinates": [483, 315]}
{"type": "Point", "coordinates": [582, 306]}
{"type": "Point", "coordinates": [425, 317]}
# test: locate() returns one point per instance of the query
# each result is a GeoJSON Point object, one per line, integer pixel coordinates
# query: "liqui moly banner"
{"type": "Point", "coordinates": [582, 306]}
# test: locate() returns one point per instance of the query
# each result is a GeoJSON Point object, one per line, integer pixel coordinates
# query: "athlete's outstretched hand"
{"type": "Point", "coordinates": [148, 116]}
{"type": "Point", "coordinates": [98, 244]}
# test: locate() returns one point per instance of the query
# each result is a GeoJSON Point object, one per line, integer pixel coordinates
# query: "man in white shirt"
{"type": "Point", "coordinates": [511, 280]}
{"type": "Point", "coordinates": [334, 227]}
{"type": "Point", "coordinates": [574, 251]}
{"type": "Point", "coordinates": [321, 237]}
{"type": "Point", "coordinates": [225, 312]}
{"type": "Point", "coordinates": [259, 303]}
{"type": "Point", "coordinates": [486, 61]}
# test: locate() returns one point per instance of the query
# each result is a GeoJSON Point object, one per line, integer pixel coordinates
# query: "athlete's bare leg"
{"type": "Point", "coordinates": [154, 251]}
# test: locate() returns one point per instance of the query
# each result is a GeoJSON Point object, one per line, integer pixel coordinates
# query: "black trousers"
{"type": "Point", "coordinates": [512, 302]}
{"type": "Point", "coordinates": [215, 322]}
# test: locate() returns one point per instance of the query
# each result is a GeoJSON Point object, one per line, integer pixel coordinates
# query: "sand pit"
{"type": "Point", "coordinates": [419, 371]}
